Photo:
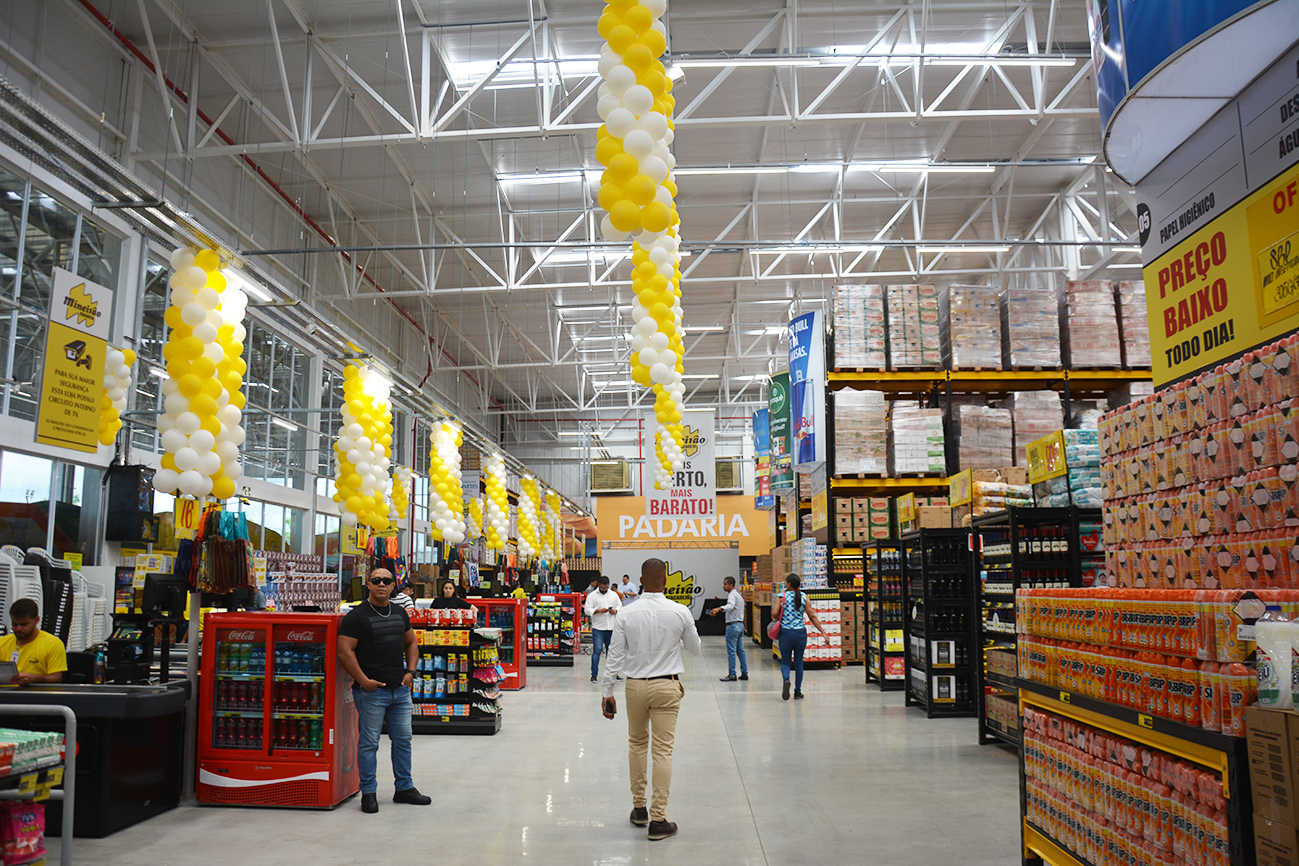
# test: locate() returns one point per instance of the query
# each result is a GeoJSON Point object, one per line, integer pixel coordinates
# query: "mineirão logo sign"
{"type": "Point", "coordinates": [81, 305]}
{"type": "Point", "coordinates": [681, 587]}
{"type": "Point", "coordinates": [691, 439]}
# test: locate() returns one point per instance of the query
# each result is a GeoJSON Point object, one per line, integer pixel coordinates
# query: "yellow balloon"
{"type": "Point", "coordinates": [190, 385]}
{"type": "Point", "coordinates": [190, 348]}
{"type": "Point", "coordinates": [223, 488]}
{"type": "Point", "coordinates": [638, 58]}
{"type": "Point", "coordinates": [208, 260]}
{"type": "Point", "coordinates": [202, 405]}
{"type": "Point", "coordinates": [655, 217]}
{"type": "Point", "coordinates": [623, 167]}
{"type": "Point", "coordinates": [621, 37]}
{"type": "Point", "coordinates": [217, 281]}
{"type": "Point", "coordinates": [606, 149]}
{"type": "Point", "coordinates": [610, 194]}
{"type": "Point", "coordinates": [130, 356]}
{"type": "Point", "coordinates": [638, 18]}
{"type": "Point", "coordinates": [655, 44]}
{"type": "Point", "coordinates": [625, 216]}
{"type": "Point", "coordinates": [211, 425]}
{"type": "Point", "coordinates": [168, 461]}
{"type": "Point", "coordinates": [212, 388]}
{"type": "Point", "coordinates": [640, 189]}
{"type": "Point", "coordinates": [238, 400]}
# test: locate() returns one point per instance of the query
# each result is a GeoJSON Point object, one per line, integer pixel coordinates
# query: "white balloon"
{"type": "Point", "coordinates": [663, 197]}
{"type": "Point", "coordinates": [176, 404]}
{"type": "Point", "coordinates": [114, 358]}
{"type": "Point", "coordinates": [678, 465]}
{"type": "Point", "coordinates": [364, 443]}
{"type": "Point", "coordinates": [193, 314]}
{"type": "Point", "coordinates": [620, 122]}
{"type": "Point", "coordinates": [649, 325]}
{"type": "Point", "coordinates": [659, 341]}
{"type": "Point", "coordinates": [363, 467]}
{"type": "Point", "coordinates": [668, 137]}
{"type": "Point", "coordinates": [346, 443]}
{"type": "Point", "coordinates": [620, 79]}
{"type": "Point", "coordinates": [209, 463]}
{"type": "Point", "coordinates": [188, 422]}
{"type": "Point", "coordinates": [653, 122]}
{"type": "Point", "coordinates": [214, 318]}
{"type": "Point", "coordinates": [165, 480]}
{"type": "Point", "coordinates": [660, 254]}
{"type": "Point", "coordinates": [607, 104]}
{"type": "Point", "coordinates": [354, 456]}
{"type": "Point", "coordinates": [638, 341]}
{"type": "Point", "coordinates": [655, 169]}
{"type": "Point", "coordinates": [237, 435]}
{"type": "Point", "coordinates": [607, 63]}
{"type": "Point", "coordinates": [231, 416]}
{"type": "Point", "coordinates": [241, 333]}
{"type": "Point", "coordinates": [603, 89]}
{"type": "Point", "coordinates": [206, 333]}
{"type": "Point", "coordinates": [185, 458]}
{"type": "Point", "coordinates": [609, 233]}
{"type": "Point", "coordinates": [202, 441]}
{"type": "Point", "coordinates": [233, 469]}
{"type": "Point", "coordinates": [181, 296]}
{"type": "Point", "coordinates": [172, 440]}
{"type": "Point", "coordinates": [638, 100]}
{"type": "Point", "coordinates": [668, 357]}
{"type": "Point", "coordinates": [356, 431]}
{"type": "Point", "coordinates": [210, 297]}
{"type": "Point", "coordinates": [638, 144]}
{"type": "Point", "coordinates": [227, 451]}
{"type": "Point", "coordinates": [165, 423]}
{"type": "Point", "coordinates": [348, 519]}
{"type": "Point", "coordinates": [181, 259]}
{"type": "Point", "coordinates": [649, 356]}
{"type": "Point", "coordinates": [659, 373]}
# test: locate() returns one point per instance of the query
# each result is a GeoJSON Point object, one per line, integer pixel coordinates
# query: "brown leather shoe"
{"type": "Point", "coordinates": [640, 816]}
{"type": "Point", "coordinates": [661, 830]}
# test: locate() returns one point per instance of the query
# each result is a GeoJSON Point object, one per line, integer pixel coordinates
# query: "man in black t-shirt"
{"type": "Point", "coordinates": [377, 648]}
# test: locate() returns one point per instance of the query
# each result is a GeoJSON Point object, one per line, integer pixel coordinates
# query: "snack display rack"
{"type": "Point", "coordinates": [458, 686]}
{"type": "Point", "coordinates": [509, 615]}
{"type": "Point", "coordinates": [940, 615]}
{"type": "Point", "coordinates": [554, 630]}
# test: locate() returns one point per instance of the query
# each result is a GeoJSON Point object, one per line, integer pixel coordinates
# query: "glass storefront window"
{"type": "Point", "coordinates": [24, 499]}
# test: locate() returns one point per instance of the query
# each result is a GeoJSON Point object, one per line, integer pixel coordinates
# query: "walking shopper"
{"type": "Point", "coordinates": [377, 648]}
{"type": "Point", "coordinates": [647, 642]}
{"type": "Point", "coordinates": [627, 591]}
{"type": "Point", "coordinates": [602, 607]}
{"type": "Point", "coordinates": [734, 610]}
{"type": "Point", "coordinates": [790, 609]}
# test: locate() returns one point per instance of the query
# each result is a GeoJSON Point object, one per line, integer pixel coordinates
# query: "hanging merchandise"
{"type": "Point", "coordinates": [529, 499]}
{"type": "Point", "coordinates": [117, 384]}
{"type": "Point", "coordinates": [474, 519]}
{"type": "Point", "coordinates": [446, 496]}
{"type": "Point", "coordinates": [203, 400]}
{"type": "Point", "coordinates": [637, 189]}
{"type": "Point", "coordinates": [363, 448]}
{"type": "Point", "coordinates": [401, 481]}
{"type": "Point", "coordinates": [498, 504]}
{"type": "Point", "coordinates": [222, 556]}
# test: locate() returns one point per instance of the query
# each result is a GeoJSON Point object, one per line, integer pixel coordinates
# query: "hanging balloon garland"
{"type": "Point", "coordinates": [401, 480]}
{"type": "Point", "coordinates": [637, 191]}
{"type": "Point", "coordinates": [203, 398]}
{"type": "Point", "coordinates": [529, 540]}
{"type": "Point", "coordinates": [474, 519]}
{"type": "Point", "coordinates": [363, 448]}
{"type": "Point", "coordinates": [117, 384]}
{"type": "Point", "coordinates": [554, 533]}
{"type": "Point", "coordinates": [446, 497]}
{"type": "Point", "coordinates": [498, 503]}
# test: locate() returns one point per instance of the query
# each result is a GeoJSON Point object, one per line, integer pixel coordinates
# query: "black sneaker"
{"type": "Point", "coordinates": [369, 803]}
{"type": "Point", "coordinates": [661, 830]}
{"type": "Point", "coordinates": [412, 796]}
{"type": "Point", "coordinates": [798, 696]}
{"type": "Point", "coordinates": [784, 692]}
{"type": "Point", "coordinates": [640, 816]}
{"type": "Point", "coordinates": [593, 679]}
{"type": "Point", "coordinates": [744, 677]}
{"type": "Point", "coordinates": [728, 679]}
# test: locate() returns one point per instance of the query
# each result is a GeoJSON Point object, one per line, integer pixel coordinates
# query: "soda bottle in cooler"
{"type": "Point", "coordinates": [314, 703]}
{"type": "Point", "coordinates": [317, 731]}
{"type": "Point", "coordinates": [219, 731]}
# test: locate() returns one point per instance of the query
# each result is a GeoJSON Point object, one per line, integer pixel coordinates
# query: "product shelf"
{"type": "Point", "coordinates": [885, 559]}
{"type": "Point", "coordinates": [948, 691]}
{"type": "Point", "coordinates": [1080, 381]}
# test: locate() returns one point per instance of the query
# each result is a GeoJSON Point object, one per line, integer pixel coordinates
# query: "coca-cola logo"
{"type": "Point", "coordinates": [301, 636]}
{"type": "Point", "coordinates": [242, 635]}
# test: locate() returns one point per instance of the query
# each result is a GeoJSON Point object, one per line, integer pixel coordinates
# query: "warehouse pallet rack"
{"type": "Point", "coordinates": [940, 617]}
{"type": "Point", "coordinates": [1018, 548]}
{"type": "Point", "coordinates": [886, 616]}
{"type": "Point", "coordinates": [1225, 757]}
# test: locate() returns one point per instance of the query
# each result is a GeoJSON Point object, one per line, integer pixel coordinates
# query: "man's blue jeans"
{"type": "Point", "coordinates": [373, 709]}
{"type": "Point", "coordinates": [600, 640]}
{"type": "Point", "coordinates": [735, 646]}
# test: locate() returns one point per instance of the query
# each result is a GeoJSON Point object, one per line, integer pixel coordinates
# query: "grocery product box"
{"type": "Point", "coordinates": [942, 689]}
{"type": "Point", "coordinates": [1273, 742]}
{"type": "Point", "coordinates": [894, 666]}
{"type": "Point", "coordinates": [843, 506]}
{"type": "Point", "coordinates": [1275, 844]}
{"type": "Point", "coordinates": [932, 517]}
{"type": "Point", "coordinates": [843, 521]}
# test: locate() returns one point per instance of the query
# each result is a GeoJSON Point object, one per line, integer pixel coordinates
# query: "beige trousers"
{"type": "Point", "coordinates": [652, 707]}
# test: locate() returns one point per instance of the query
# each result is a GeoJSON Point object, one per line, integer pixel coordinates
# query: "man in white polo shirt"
{"type": "Point", "coordinates": [602, 607]}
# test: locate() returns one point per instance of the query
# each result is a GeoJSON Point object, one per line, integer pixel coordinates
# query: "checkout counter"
{"type": "Point", "coordinates": [130, 742]}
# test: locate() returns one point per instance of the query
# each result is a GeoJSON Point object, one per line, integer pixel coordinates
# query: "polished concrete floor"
{"type": "Point", "coordinates": [846, 776]}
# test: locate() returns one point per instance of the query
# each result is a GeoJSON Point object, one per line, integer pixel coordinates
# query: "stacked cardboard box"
{"type": "Point", "coordinates": [1273, 771]}
{"type": "Point", "coordinates": [853, 630]}
{"type": "Point", "coordinates": [859, 333]}
{"type": "Point", "coordinates": [1035, 414]}
{"type": "Point", "coordinates": [914, 339]}
{"type": "Point", "coordinates": [860, 433]}
{"type": "Point", "coordinates": [861, 520]}
{"type": "Point", "coordinates": [811, 562]}
{"type": "Point", "coordinates": [1134, 324]}
{"type": "Point", "coordinates": [1092, 333]}
{"type": "Point", "coordinates": [1030, 332]}
{"type": "Point", "coordinates": [971, 328]}
{"type": "Point", "coordinates": [984, 436]}
{"type": "Point", "coordinates": [829, 648]}
{"type": "Point", "coordinates": [919, 445]}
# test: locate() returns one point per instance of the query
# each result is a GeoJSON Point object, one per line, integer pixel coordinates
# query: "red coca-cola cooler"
{"type": "Point", "coordinates": [277, 726]}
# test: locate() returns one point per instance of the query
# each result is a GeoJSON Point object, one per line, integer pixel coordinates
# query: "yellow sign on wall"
{"type": "Point", "coordinates": [355, 540]}
{"type": "Point", "coordinates": [1046, 458]}
{"type": "Point", "coordinates": [960, 488]}
{"type": "Point", "coordinates": [72, 379]}
{"type": "Point", "coordinates": [74, 560]}
{"type": "Point", "coordinates": [1230, 286]}
{"type": "Point", "coordinates": [906, 508]}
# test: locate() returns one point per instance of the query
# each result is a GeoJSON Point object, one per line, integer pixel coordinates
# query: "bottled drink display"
{"type": "Point", "coordinates": [238, 694]}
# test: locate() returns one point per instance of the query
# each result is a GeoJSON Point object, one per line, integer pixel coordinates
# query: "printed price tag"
{"type": "Point", "coordinates": [42, 792]}
{"type": "Point", "coordinates": [1065, 697]}
{"type": "Point", "coordinates": [55, 776]}
{"type": "Point", "coordinates": [27, 783]}
{"type": "Point", "coordinates": [1145, 721]}
{"type": "Point", "coordinates": [186, 517]}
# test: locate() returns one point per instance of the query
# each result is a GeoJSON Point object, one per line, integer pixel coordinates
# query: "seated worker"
{"type": "Point", "coordinates": [40, 655]}
{"type": "Point", "coordinates": [448, 598]}
{"type": "Point", "coordinates": [520, 592]}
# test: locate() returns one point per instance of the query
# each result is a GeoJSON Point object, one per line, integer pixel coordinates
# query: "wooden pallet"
{"type": "Point", "coordinates": [860, 476]}
{"type": "Point", "coordinates": [977, 370]}
{"type": "Point", "coordinates": [860, 370]}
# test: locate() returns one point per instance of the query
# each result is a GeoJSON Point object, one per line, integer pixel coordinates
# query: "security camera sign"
{"type": "Point", "coordinates": [693, 492]}
{"type": "Point", "coordinates": [72, 381]}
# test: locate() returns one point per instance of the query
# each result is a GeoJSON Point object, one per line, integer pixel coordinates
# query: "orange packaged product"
{"type": "Point", "coordinates": [1191, 692]}
{"type": "Point", "coordinates": [1196, 410]}
{"type": "Point", "coordinates": [1260, 361]}
{"type": "Point", "coordinates": [1234, 385]}
{"type": "Point", "coordinates": [1239, 687]}
{"type": "Point", "coordinates": [1285, 371]}
{"type": "Point", "coordinates": [1210, 702]}
{"type": "Point", "coordinates": [1157, 416]}
{"type": "Point", "coordinates": [1267, 424]}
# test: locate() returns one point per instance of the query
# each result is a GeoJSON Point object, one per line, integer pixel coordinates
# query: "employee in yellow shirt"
{"type": "Point", "coordinates": [40, 655]}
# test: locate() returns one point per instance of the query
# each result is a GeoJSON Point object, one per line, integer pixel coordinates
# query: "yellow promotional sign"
{"type": "Point", "coordinates": [74, 560]}
{"type": "Point", "coordinates": [72, 381]}
{"type": "Point", "coordinates": [906, 508]}
{"type": "Point", "coordinates": [1230, 286]}
{"type": "Point", "coordinates": [820, 510]}
{"type": "Point", "coordinates": [1046, 458]}
{"type": "Point", "coordinates": [186, 517]}
{"type": "Point", "coordinates": [355, 540]}
{"type": "Point", "coordinates": [960, 488]}
{"type": "Point", "coordinates": [146, 563]}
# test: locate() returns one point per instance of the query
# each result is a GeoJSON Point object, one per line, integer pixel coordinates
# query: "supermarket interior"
{"type": "Point", "coordinates": [393, 391]}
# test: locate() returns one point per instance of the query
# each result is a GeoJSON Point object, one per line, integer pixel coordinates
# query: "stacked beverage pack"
{"type": "Point", "coordinates": [1092, 335]}
{"type": "Point", "coordinates": [1134, 324]}
{"type": "Point", "coordinates": [914, 339]}
{"type": "Point", "coordinates": [1035, 414]}
{"type": "Point", "coordinates": [860, 433]}
{"type": "Point", "coordinates": [984, 436]}
{"type": "Point", "coordinates": [970, 320]}
{"type": "Point", "coordinates": [859, 332]}
{"type": "Point", "coordinates": [919, 446]}
{"type": "Point", "coordinates": [1030, 331]}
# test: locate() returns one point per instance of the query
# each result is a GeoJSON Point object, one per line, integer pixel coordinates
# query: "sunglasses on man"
{"type": "Point", "coordinates": [381, 581]}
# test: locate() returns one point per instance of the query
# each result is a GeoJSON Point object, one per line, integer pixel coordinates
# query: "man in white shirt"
{"type": "Point", "coordinates": [647, 642]}
{"type": "Point", "coordinates": [602, 607]}
{"type": "Point", "coordinates": [734, 610]}
{"type": "Point", "coordinates": [628, 591]}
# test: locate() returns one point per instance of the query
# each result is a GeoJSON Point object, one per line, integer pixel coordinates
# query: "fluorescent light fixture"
{"type": "Point", "coordinates": [247, 285]}
{"type": "Point", "coordinates": [1125, 249]}
{"type": "Point", "coordinates": [704, 328]}
{"type": "Point", "coordinates": [541, 178]}
{"type": "Point", "coordinates": [744, 60]}
{"type": "Point", "coordinates": [922, 167]}
{"type": "Point", "coordinates": [812, 249]}
{"type": "Point", "coordinates": [702, 376]}
{"type": "Point", "coordinates": [1002, 60]}
{"type": "Point", "coordinates": [523, 72]}
{"type": "Point", "coordinates": [284, 425]}
{"type": "Point", "coordinates": [809, 167]}
{"type": "Point", "coordinates": [962, 249]}
{"type": "Point", "coordinates": [1125, 265]}
{"type": "Point", "coordinates": [614, 383]}
{"type": "Point", "coordinates": [159, 373]}
{"type": "Point", "coordinates": [731, 169]}
{"type": "Point", "coordinates": [674, 72]}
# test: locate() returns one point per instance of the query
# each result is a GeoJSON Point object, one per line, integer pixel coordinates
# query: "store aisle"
{"type": "Point", "coordinates": [846, 776]}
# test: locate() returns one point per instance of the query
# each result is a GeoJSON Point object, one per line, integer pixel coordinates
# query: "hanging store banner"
{"type": "Point", "coordinates": [72, 381]}
{"type": "Point", "coordinates": [762, 457]}
{"type": "Point", "coordinates": [694, 486]}
{"type": "Point", "coordinates": [1046, 458]}
{"type": "Point", "coordinates": [1222, 272]}
{"type": "Point", "coordinates": [807, 388]}
{"type": "Point", "coordinates": [622, 520]}
{"type": "Point", "coordinates": [782, 464]}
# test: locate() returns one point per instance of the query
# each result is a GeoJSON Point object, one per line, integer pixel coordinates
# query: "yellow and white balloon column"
{"type": "Point", "coordinates": [498, 503]}
{"type": "Point", "coordinates": [446, 496]}
{"type": "Point", "coordinates": [554, 538]}
{"type": "Point", "coordinates": [363, 448]}
{"type": "Point", "coordinates": [529, 538]}
{"type": "Point", "coordinates": [117, 384]}
{"type": "Point", "coordinates": [401, 480]}
{"type": "Point", "coordinates": [203, 399]}
{"type": "Point", "coordinates": [474, 519]}
{"type": "Point", "coordinates": [637, 191]}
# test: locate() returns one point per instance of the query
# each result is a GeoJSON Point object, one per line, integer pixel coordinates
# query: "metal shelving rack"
{"type": "Point", "coordinates": [1011, 552]}
{"type": "Point", "coordinates": [887, 577]}
{"type": "Point", "coordinates": [26, 785]}
{"type": "Point", "coordinates": [476, 722]}
{"type": "Point", "coordinates": [940, 619]}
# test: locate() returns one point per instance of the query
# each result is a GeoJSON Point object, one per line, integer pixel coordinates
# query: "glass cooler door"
{"type": "Point", "coordinates": [239, 688]}
{"type": "Point", "coordinates": [298, 690]}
